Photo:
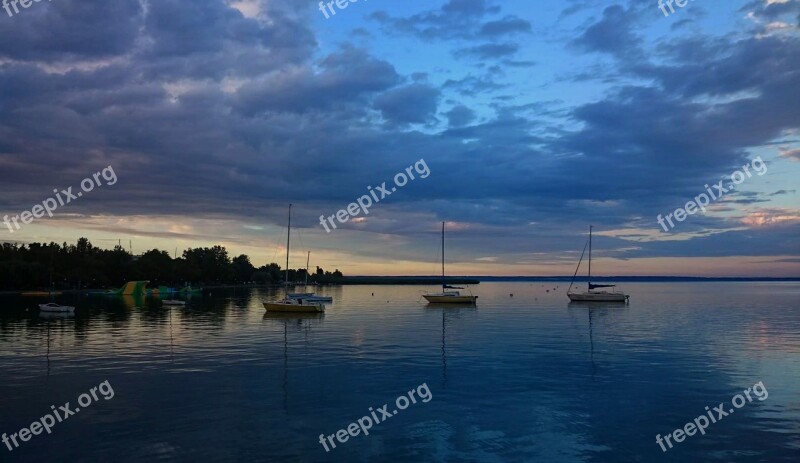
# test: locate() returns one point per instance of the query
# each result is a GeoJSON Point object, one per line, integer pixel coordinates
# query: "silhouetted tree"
{"type": "Point", "coordinates": [35, 265]}
{"type": "Point", "coordinates": [242, 269]}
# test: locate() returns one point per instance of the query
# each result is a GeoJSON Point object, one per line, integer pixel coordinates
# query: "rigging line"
{"type": "Point", "coordinates": [578, 267]}
{"type": "Point", "coordinates": [276, 247]}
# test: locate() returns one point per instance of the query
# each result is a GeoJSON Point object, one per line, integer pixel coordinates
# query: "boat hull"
{"type": "Point", "coordinates": [597, 297]}
{"type": "Point", "coordinates": [59, 309]}
{"type": "Point", "coordinates": [293, 308]}
{"type": "Point", "coordinates": [174, 303]}
{"type": "Point", "coordinates": [445, 299]}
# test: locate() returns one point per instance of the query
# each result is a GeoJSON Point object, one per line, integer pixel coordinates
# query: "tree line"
{"type": "Point", "coordinates": [40, 265]}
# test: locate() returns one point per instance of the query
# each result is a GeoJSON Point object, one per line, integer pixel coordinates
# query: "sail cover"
{"type": "Point", "coordinates": [591, 286]}
{"type": "Point", "coordinates": [451, 287]}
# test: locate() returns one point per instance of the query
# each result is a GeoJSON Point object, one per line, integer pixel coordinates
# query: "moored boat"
{"type": "Point", "coordinates": [52, 307]}
{"type": "Point", "coordinates": [448, 297]}
{"type": "Point", "coordinates": [598, 296]}
{"type": "Point", "coordinates": [594, 293]}
{"type": "Point", "coordinates": [289, 304]}
{"type": "Point", "coordinates": [294, 305]}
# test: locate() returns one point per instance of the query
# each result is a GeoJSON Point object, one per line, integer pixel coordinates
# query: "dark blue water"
{"type": "Point", "coordinates": [523, 378]}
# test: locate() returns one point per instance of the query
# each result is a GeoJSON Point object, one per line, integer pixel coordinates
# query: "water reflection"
{"type": "Point", "coordinates": [448, 311]}
{"type": "Point", "coordinates": [299, 323]}
{"type": "Point", "coordinates": [527, 378]}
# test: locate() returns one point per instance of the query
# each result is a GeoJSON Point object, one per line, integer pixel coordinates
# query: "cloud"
{"type": "Point", "coordinates": [612, 34]}
{"type": "Point", "coordinates": [505, 26]}
{"type": "Point", "coordinates": [489, 51]}
{"type": "Point", "coordinates": [783, 192]}
{"type": "Point", "coordinates": [410, 104]}
{"type": "Point", "coordinates": [793, 154]}
{"type": "Point", "coordinates": [230, 112]}
{"type": "Point", "coordinates": [456, 19]}
{"type": "Point", "coordinates": [106, 30]}
{"type": "Point", "coordinates": [345, 77]}
{"type": "Point", "coordinates": [460, 116]}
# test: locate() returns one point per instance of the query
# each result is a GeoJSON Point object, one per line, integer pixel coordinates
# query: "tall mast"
{"type": "Point", "coordinates": [590, 254]}
{"type": "Point", "coordinates": [443, 284]}
{"type": "Point", "coordinates": [308, 258]}
{"type": "Point", "coordinates": [288, 236]}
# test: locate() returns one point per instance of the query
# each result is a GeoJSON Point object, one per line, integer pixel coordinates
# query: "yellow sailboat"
{"type": "Point", "coordinates": [288, 304]}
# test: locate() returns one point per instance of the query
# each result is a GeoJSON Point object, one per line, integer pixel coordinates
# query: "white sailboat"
{"type": "Point", "coordinates": [287, 304]}
{"type": "Point", "coordinates": [448, 297]}
{"type": "Point", "coordinates": [594, 293]}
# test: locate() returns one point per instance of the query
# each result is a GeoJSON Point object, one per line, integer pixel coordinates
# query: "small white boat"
{"type": "Point", "coordinates": [309, 297]}
{"type": "Point", "coordinates": [312, 298]}
{"type": "Point", "coordinates": [55, 308]}
{"type": "Point", "coordinates": [173, 302]}
{"type": "Point", "coordinates": [606, 293]}
{"type": "Point", "coordinates": [448, 297]}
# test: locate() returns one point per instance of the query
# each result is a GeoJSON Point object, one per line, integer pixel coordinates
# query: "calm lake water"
{"type": "Point", "coordinates": [523, 378]}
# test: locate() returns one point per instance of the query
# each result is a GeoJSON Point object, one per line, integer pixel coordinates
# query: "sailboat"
{"type": "Point", "coordinates": [448, 297]}
{"type": "Point", "coordinates": [592, 294]}
{"type": "Point", "coordinates": [287, 304]}
{"type": "Point", "coordinates": [52, 307]}
{"type": "Point", "coordinates": [309, 297]}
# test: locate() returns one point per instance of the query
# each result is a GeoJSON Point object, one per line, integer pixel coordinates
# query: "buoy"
{"type": "Point", "coordinates": [512, 294]}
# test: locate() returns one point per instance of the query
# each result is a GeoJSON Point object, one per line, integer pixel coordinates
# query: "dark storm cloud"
{"type": "Point", "coordinates": [212, 40]}
{"type": "Point", "coordinates": [61, 31]}
{"type": "Point", "coordinates": [644, 129]}
{"type": "Point", "coordinates": [205, 109]}
{"type": "Point", "coordinates": [345, 77]}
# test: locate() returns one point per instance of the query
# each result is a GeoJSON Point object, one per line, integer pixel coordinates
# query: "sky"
{"type": "Point", "coordinates": [523, 123]}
